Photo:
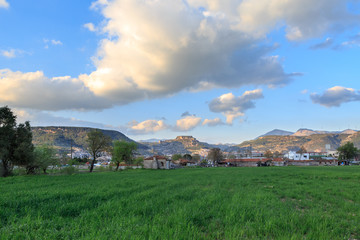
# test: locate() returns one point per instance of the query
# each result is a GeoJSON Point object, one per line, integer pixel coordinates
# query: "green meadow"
{"type": "Point", "coordinates": [199, 203]}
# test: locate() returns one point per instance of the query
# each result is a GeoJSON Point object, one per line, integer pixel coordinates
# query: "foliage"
{"type": "Point", "coordinates": [77, 161]}
{"type": "Point", "coordinates": [347, 151]}
{"type": "Point", "coordinates": [97, 142]}
{"type": "Point", "coordinates": [123, 152]}
{"type": "Point", "coordinates": [187, 156]}
{"type": "Point", "coordinates": [139, 161]}
{"type": "Point", "coordinates": [16, 146]}
{"type": "Point", "coordinates": [45, 156]}
{"type": "Point", "coordinates": [215, 155]}
{"type": "Point", "coordinates": [277, 154]}
{"type": "Point", "coordinates": [268, 154]}
{"type": "Point", "coordinates": [199, 203]}
{"type": "Point", "coordinates": [176, 156]}
{"type": "Point", "coordinates": [302, 150]}
{"type": "Point", "coordinates": [69, 170]}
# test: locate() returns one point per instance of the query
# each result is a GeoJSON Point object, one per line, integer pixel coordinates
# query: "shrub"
{"type": "Point", "coordinates": [69, 170]}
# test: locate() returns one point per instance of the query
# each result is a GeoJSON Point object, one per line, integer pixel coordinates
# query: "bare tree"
{"type": "Point", "coordinates": [215, 155]}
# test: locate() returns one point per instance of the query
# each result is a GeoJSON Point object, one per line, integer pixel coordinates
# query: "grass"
{"type": "Point", "coordinates": [207, 203]}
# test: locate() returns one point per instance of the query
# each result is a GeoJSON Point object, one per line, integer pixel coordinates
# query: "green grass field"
{"type": "Point", "coordinates": [212, 203]}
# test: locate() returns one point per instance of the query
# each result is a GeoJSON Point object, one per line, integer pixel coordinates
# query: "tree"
{"type": "Point", "coordinates": [24, 149]}
{"type": "Point", "coordinates": [7, 138]}
{"type": "Point", "coordinates": [97, 142]}
{"type": "Point", "coordinates": [187, 157]}
{"type": "Point", "coordinates": [277, 154]}
{"type": "Point", "coordinates": [139, 161]}
{"type": "Point", "coordinates": [16, 146]}
{"type": "Point", "coordinates": [268, 154]}
{"type": "Point", "coordinates": [176, 156]}
{"type": "Point", "coordinates": [215, 155]}
{"type": "Point", "coordinates": [123, 152]}
{"type": "Point", "coordinates": [347, 151]}
{"type": "Point", "coordinates": [45, 156]}
{"type": "Point", "coordinates": [301, 151]}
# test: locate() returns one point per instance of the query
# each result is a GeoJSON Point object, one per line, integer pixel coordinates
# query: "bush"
{"type": "Point", "coordinates": [69, 170]}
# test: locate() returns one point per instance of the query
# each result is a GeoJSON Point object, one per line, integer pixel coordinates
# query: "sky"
{"type": "Point", "coordinates": [221, 71]}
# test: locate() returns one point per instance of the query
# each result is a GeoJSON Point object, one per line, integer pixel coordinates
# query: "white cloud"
{"type": "Point", "coordinates": [52, 42]}
{"type": "Point", "coordinates": [187, 123]}
{"type": "Point", "coordinates": [4, 4]}
{"type": "Point", "coordinates": [36, 91]}
{"type": "Point", "coordinates": [146, 127]}
{"type": "Point", "coordinates": [305, 91]}
{"type": "Point", "coordinates": [232, 106]}
{"type": "Point", "coordinates": [303, 18]}
{"type": "Point", "coordinates": [158, 48]}
{"type": "Point", "coordinates": [335, 96]}
{"type": "Point", "coordinates": [56, 42]}
{"type": "Point", "coordinates": [90, 26]}
{"type": "Point", "coordinates": [213, 122]}
{"type": "Point", "coordinates": [9, 53]}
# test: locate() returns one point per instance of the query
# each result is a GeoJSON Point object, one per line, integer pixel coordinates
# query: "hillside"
{"type": "Point", "coordinates": [61, 137]}
{"type": "Point", "coordinates": [314, 142]}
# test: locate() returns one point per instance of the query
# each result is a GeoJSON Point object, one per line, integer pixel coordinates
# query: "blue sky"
{"type": "Point", "coordinates": [221, 71]}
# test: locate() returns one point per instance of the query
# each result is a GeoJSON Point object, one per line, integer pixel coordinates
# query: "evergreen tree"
{"type": "Point", "coordinates": [7, 137]}
{"type": "Point", "coordinates": [16, 146]}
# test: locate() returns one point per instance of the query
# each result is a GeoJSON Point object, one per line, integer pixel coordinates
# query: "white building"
{"type": "Point", "coordinates": [292, 155]}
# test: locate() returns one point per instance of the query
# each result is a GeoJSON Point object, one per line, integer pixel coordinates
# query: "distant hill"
{"type": "Point", "coordinates": [152, 140]}
{"type": "Point", "coordinates": [308, 132]}
{"type": "Point", "coordinates": [61, 137]}
{"type": "Point", "coordinates": [312, 142]}
{"type": "Point", "coordinates": [179, 145]}
{"type": "Point", "coordinates": [277, 132]}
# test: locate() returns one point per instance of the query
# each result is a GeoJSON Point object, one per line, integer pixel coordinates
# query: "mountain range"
{"type": "Point", "coordinates": [312, 140]}
{"type": "Point", "coordinates": [275, 140]}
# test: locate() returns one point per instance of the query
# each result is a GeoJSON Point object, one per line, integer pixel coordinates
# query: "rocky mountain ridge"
{"type": "Point", "coordinates": [64, 137]}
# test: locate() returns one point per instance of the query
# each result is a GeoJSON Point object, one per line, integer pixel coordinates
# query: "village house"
{"type": "Point", "coordinates": [292, 155]}
{"type": "Point", "coordinates": [157, 162]}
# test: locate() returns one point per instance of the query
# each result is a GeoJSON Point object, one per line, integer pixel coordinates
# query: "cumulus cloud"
{"type": "Point", "coordinates": [186, 114]}
{"type": "Point", "coordinates": [90, 26]}
{"type": "Point", "coordinates": [335, 96]}
{"type": "Point", "coordinates": [36, 91]}
{"type": "Point", "coordinates": [213, 122]}
{"type": "Point", "coordinates": [157, 48]}
{"type": "Point", "coordinates": [232, 106]}
{"type": "Point", "coordinates": [303, 19]}
{"type": "Point", "coordinates": [187, 123]}
{"type": "Point", "coordinates": [154, 49]}
{"type": "Point", "coordinates": [4, 4]}
{"type": "Point", "coordinates": [146, 127]}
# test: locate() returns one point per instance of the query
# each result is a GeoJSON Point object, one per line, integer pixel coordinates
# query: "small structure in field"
{"type": "Point", "coordinates": [157, 162]}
